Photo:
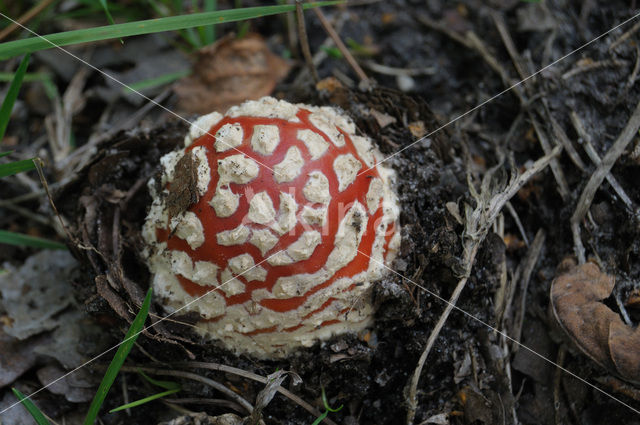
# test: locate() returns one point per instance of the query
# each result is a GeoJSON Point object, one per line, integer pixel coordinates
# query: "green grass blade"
{"type": "Point", "coordinates": [210, 30]}
{"type": "Point", "coordinates": [5, 153]}
{"type": "Point", "coordinates": [38, 416]}
{"type": "Point", "coordinates": [171, 23]}
{"type": "Point", "coordinates": [5, 77]}
{"type": "Point", "coordinates": [122, 353]}
{"type": "Point", "coordinates": [20, 239]}
{"type": "Point", "coordinates": [144, 400]}
{"type": "Point", "coordinates": [105, 7]}
{"type": "Point", "coordinates": [167, 385]}
{"type": "Point", "coordinates": [320, 418]}
{"type": "Point", "coordinates": [16, 167]}
{"type": "Point", "coordinates": [12, 95]}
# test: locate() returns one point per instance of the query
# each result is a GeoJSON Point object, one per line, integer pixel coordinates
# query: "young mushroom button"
{"type": "Point", "coordinates": [280, 213]}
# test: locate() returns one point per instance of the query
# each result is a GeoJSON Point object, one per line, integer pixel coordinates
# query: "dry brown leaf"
{"type": "Point", "coordinates": [576, 300]}
{"type": "Point", "coordinates": [228, 73]}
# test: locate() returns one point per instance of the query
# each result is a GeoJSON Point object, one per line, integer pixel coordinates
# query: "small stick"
{"type": "Point", "coordinates": [563, 187]}
{"type": "Point", "coordinates": [340, 45]}
{"type": "Point", "coordinates": [589, 191]}
{"type": "Point", "coordinates": [557, 379]}
{"type": "Point", "coordinates": [249, 375]}
{"type": "Point", "coordinates": [509, 44]}
{"type": "Point", "coordinates": [579, 69]}
{"type": "Point", "coordinates": [26, 17]}
{"type": "Point", "coordinates": [563, 138]}
{"type": "Point", "coordinates": [530, 261]}
{"type": "Point", "coordinates": [595, 158]}
{"type": "Point", "coordinates": [195, 377]}
{"type": "Point", "coordinates": [516, 218]}
{"type": "Point", "coordinates": [304, 41]}
{"type": "Point", "coordinates": [625, 36]}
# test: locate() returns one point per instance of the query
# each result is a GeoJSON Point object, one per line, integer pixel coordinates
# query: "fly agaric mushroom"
{"type": "Point", "coordinates": [273, 210]}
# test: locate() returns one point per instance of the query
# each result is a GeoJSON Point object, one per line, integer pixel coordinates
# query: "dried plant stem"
{"type": "Point", "coordinates": [26, 17]}
{"type": "Point", "coordinates": [589, 191]}
{"type": "Point", "coordinates": [304, 41]}
{"type": "Point", "coordinates": [477, 224]}
{"type": "Point", "coordinates": [262, 379]}
{"type": "Point", "coordinates": [340, 45]}
{"type": "Point", "coordinates": [195, 377]}
{"type": "Point", "coordinates": [625, 36]}
{"type": "Point", "coordinates": [529, 262]}
{"type": "Point", "coordinates": [595, 158]}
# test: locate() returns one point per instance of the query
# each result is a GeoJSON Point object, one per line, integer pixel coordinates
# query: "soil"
{"type": "Point", "coordinates": [459, 59]}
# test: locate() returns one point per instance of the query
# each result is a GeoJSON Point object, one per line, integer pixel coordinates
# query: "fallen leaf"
{"type": "Point", "coordinates": [34, 294]}
{"type": "Point", "coordinates": [228, 73]}
{"type": "Point", "coordinates": [77, 387]}
{"type": "Point", "coordinates": [576, 300]}
{"type": "Point", "coordinates": [17, 357]}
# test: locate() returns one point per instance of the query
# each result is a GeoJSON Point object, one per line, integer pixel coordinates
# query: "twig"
{"type": "Point", "coordinates": [564, 139]}
{"type": "Point", "coordinates": [557, 379]}
{"type": "Point", "coordinates": [249, 375]}
{"type": "Point", "coordinates": [529, 263]}
{"type": "Point", "coordinates": [194, 377]}
{"type": "Point", "coordinates": [33, 195]}
{"type": "Point", "coordinates": [516, 218]}
{"type": "Point", "coordinates": [595, 158]}
{"type": "Point", "coordinates": [390, 70]}
{"type": "Point", "coordinates": [478, 45]}
{"type": "Point", "coordinates": [340, 45]}
{"type": "Point", "coordinates": [625, 36]}
{"type": "Point", "coordinates": [304, 41]}
{"type": "Point", "coordinates": [321, 54]}
{"type": "Point", "coordinates": [478, 222]}
{"type": "Point", "coordinates": [219, 402]}
{"type": "Point", "coordinates": [58, 125]}
{"type": "Point", "coordinates": [563, 187]}
{"type": "Point", "coordinates": [612, 155]}
{"type": "Point", "coordinates": [26, 17]}
{"type": "Point", "coordinates": [82, 155]}
{"type": "Point", "coordinates": [437, 26]}
{"type": "Point", "coordinates": [38, 218]}
{"type": "Point", "coordinates": [509, 44]}
{"type": "Point", "coordinates": [623, 310]}
{"type": "Point", "coordinates": [590, 66]}
{"type": "Point", "coordinates": [634, 74]}
{"type": "Point", "coordinates": [125, 394]}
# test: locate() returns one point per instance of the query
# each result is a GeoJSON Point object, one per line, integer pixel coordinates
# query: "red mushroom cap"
{"type": "Point", "coordinates": [276, 210]}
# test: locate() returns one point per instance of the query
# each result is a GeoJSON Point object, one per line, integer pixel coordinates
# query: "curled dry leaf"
{"type": "Point", "coordinates": [576, 299]}
{"type": "Point", "coordinates": [228, 73]}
